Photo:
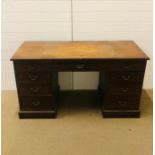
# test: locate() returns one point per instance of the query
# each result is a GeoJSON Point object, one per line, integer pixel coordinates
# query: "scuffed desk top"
{"type": "Point", "coordinates": [51, 50]}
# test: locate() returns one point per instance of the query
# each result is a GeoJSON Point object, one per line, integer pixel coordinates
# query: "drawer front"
{"type": "Point", "coordinates": [59, 66]}
{"type": "Point", "coordinates": [35, 77]}
{"type": "Point", "coordinates": [77, 66]}
{"type": "Point", "coordinates": [34, 89]}
{"type": "Point", "coordinates": [124, 89]}
{"type": "Point", "coordinates": [121, 103]}
{"type": "Point", "coordinates": [128, 65]}
{"type": "Point", "coordinates": [126, 77]}
{"type": "Point", "coordinates": [33, 66]}
{"type": "Point", "coordinates": [44, 66]}
{"type": "Point", "coordinates": [37, 103]}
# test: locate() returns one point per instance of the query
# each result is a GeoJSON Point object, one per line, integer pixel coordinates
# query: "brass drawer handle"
{"type": "Point", "coordinates": [125, 77]}
{"type": "Point", "coordinates": [122, 103]}
{"type": "Point", "coordinates": [80, 66]}
{"type": "Point", "coordinates": [124, 90]}
{"type": "Point", "coordinates": [36, 103]}
{"type": "Point", "coordinates": [34, 89]}
{"type": "Point", "coordinates": [33, 77]}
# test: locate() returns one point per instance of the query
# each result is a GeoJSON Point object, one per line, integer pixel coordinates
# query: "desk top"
{"type": "Point", "coordinates": [34, 50]}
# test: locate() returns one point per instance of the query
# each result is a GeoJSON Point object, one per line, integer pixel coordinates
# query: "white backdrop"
{"type": "Point", "coordinates": [92, 20]}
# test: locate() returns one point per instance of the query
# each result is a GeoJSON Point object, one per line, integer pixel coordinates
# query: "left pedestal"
{"type": "Point", "coordinates": [37, 87]}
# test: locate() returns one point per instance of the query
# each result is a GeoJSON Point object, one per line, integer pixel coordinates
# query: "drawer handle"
{"type": "Point", "coordinates": [33, 67]}
{"type": "Point", "coordinates": [127, 67]}
{"type": "Point", "coordinates": [36, 103]}
{"type": "Point", "coordinates": [33, 77]}
{"type": "Point", "coordinates": [122, 103]}
{"type": "Point", "coordinates": [34, 90]}
{"type": "Point", "coordinates": [125, 77]}
{"type": "Point", "coordinates": [124, 90]}
{"type": "Point", "coordinates": [80, 66]}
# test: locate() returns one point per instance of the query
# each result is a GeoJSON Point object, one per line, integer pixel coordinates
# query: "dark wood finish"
{"type": "Point", "coordinates": [35, 89]}
{"type": "Point", "coordinates": [32, 66]}
{"type": "Point", "coordinates": [119, 102]}
{"type": "Point", "coordinates": [65, 65]}
{"type": "Point", "coordinates": [127, 65]}
{"type": "Point", "coordinates": [124, 89]}
{"type": "Point", "coordinates": [126, 77]}
{"type": "Point", "coordinates": [33, 103]}
{"type": "Point", "coordinates": [34, 77]}
{"type": "Point", "coordinates": [121, 66]}
{"type": "Point", "coordinates": [121, 114]}
{"type": "Point", "coordinates": [37, 114]}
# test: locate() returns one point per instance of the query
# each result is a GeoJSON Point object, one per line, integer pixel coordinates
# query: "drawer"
{"type": "Point", "coordinates": [35, 77]}
{"type": "Point", "coordinates": [37, 103]}
{"type": "Point", "coordinates": [32, 66]}
{"type": "Point", "coordinates": [121, 103]}
{"type": "Point", "coordinates": [124, 89]}
{"type": "Point", "coordinates": [79, 66]}
{"type": "Point", "coordinates": [47, 66]}
{"type": "Point", "coordinates": [126, 77]}
{"type": "Point", "coordinates": [128, 65]}
{"type": "Point", "coordinates": [34, 89]}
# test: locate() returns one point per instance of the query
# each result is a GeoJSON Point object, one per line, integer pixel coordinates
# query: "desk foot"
{"type": "Point", "coordinates": [121, 114]}
{"type": "Point", "coordinates": [37, 114]}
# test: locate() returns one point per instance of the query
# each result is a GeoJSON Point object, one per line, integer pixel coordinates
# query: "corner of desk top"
{"type": "Point", "coordinates": [11, 59]}
{"type": "Point", "coordinates": [147, 58]}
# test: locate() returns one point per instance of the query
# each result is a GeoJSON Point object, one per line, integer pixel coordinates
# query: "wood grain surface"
{"type": "Point", "coordinates": [79, 50]}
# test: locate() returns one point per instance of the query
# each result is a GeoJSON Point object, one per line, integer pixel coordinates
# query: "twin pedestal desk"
{"type": "Point", "coordinates": [121, 66]}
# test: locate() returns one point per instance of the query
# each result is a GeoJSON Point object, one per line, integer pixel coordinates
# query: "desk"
{"type": "Point", "coordinates": [121, 65]}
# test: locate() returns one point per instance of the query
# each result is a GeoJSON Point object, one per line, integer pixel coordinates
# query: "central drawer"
{"type": "Point", "coordinates": [80, 66]}
{"type": "Point", "coordinates": [49, 66]}
{"type": "Point", "coordinates": [35, 89]}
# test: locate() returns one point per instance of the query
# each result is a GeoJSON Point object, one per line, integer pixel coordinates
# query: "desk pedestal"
{"type": "Point", "coordinates": [119, 90]}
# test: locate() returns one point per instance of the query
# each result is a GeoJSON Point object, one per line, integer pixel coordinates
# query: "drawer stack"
{"type": "Point", "coordinates": [123, 88]}
{"type": "Point", "coordinates": [37, 88]}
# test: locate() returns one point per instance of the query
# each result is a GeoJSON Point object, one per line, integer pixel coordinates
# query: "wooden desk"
{"type": "Point", "coordinates": [121, 65]}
